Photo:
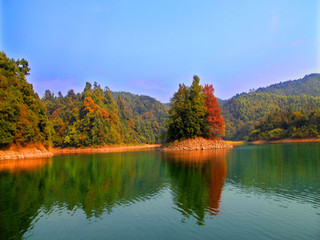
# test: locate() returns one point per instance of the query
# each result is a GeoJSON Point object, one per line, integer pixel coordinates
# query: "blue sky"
{"type": "Point", "coordinates": [149, 47]}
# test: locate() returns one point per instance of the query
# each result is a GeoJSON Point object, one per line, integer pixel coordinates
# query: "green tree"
{"type": "Point", "coordinates": [23, 117]}
{"type": "Point", "coordinates": [188, 114]}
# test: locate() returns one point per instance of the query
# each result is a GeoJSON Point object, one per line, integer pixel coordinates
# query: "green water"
{"type": "Point", "coordinates": [249, 192]}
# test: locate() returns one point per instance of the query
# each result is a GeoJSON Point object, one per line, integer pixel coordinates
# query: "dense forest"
{"type": "Point", "coordinates": [242, 112]}
{"type": "Point", "coordinates": [23, 118]}
{"type": "Point", "coordinates": [194, 112]}
{"type": "Point", "coordinates": [287, 124]}
{"type": "Point", "coordinates": [98, 117]}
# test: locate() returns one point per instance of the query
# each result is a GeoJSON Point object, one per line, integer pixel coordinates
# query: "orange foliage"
{"type": "Point", "coordinates": [214, 118]}
{"type": "Point", "coordinates": [130, 123]}
{"type": "Point", "coordinates": [91, 107]}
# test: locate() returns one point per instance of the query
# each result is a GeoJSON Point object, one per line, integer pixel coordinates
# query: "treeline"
{"type": "Point", "coordinates": [308, 85]}
{"type": "Point", "coordinates": [98, 117]}
{"type": "Point", "coordinates": [242, 112]}
{"type": "Point", "coordinates": [23, 117]}
{"type": "Point", "coordinates": [287, 124]}
{"type": "Point", "coordinates": [95, 117]}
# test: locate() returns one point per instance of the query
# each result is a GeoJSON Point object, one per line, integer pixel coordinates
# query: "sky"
{"type": "Point", "coordinates": [150, 47]}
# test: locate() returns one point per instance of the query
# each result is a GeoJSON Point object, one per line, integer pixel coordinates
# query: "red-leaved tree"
{"type": "Point", "coordinates": [215, 120]}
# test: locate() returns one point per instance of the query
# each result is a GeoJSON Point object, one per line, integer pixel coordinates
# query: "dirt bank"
{"type": "Point", "coordinates": [25, 152]}
{"type": "Point", "coordinates": [62, 151]}
{"type": "Point", "coordinates": [196, 144]}
{"type": "Point", "coordinates": [41, 152]}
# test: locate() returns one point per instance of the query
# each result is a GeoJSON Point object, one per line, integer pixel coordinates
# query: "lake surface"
{"type": "Point", "coordinates": [249, 192]}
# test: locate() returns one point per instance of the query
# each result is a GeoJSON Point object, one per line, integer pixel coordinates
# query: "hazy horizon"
{"type": "Point", "coordinates": [149, 48]}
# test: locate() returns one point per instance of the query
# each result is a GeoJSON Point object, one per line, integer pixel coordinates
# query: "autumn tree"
{"type": "Point", "coordinates": [214, 117]}
{"type": "Point", "coordinates": [188, 113]}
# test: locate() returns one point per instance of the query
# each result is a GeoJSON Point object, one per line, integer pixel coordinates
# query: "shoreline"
{"type": "Point", "coordinates": [286, 140]}
{"type": "Point", "coordinates": [42, 152]}
{"type": "Point", "coordinates": [30, 152]}
{"type": "Point", "coordinates": [66, 151]}
{"type": "Point", "coordinates": [198, 143]}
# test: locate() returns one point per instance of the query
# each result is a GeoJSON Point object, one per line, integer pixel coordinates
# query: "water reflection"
{"type": "Point", "coordinates": [23, 164]}
{"type": "Point", "coordinates": [281, 170]}
{"type": "Point", "coordinates": [93, 183]}
{"type": "Point", "coordinates": [96, 185]}
{"type": "Point", "coordinates": [197, 181]}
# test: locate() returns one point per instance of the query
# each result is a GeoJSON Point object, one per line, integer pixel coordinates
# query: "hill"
{"type": "Point", "coordinates": [146, 111]}
{"type": "Point", "coordinates": [242, 112]}
{"type": "Point", "coordinates": [98, 117]}
{"type": "Point", "coordinates": [308, 85]}
{"type": "Point", "coordinates": [287, 124]}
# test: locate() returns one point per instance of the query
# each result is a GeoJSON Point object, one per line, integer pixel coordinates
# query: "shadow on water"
{"type": "Point", "coordinates": [197, 179]}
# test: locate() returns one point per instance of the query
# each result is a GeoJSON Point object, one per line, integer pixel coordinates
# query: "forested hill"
{"type": "Point", "coordinates": [98, 117]}
{"type": "Point", "coordinates": [287, 124]}
{"type": "Point", "coordinates": [309, 85]}
{"type": "Point", "coordinates": [242, 112]}
{"type": "Point", "coordinates": [150, 112]}
{"type": "Point", "coordinates": [146, 107]}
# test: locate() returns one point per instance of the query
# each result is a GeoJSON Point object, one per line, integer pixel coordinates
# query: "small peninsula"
{"type": "Point", "coordinates": [195, 121]}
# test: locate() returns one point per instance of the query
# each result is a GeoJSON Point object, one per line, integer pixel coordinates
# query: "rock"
{"type": "Point", "coordinates": [196, 144]}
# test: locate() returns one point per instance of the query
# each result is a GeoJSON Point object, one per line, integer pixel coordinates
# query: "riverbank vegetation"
{"type": "Point", "coordinates": [287, 124]}
{"type": "Point", "coordinates": [23, 118]}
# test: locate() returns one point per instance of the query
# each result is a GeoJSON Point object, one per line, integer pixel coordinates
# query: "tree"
{"type": "Point", "coordinates": [214, 118]}
{"type": "Point", "coordinates": [23, 117]}
{"type": "Point", "coordinates": [177, 114]}
{"type": "Point", "coordinates": [194, 112]}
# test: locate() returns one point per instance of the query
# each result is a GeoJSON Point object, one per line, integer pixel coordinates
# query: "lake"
{"type": "Point", "coordinates": [250, 192]}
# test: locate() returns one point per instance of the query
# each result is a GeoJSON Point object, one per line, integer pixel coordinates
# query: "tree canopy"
{"type": "Point", "coordinates": [98, 117]}
{"type": "Point", "coordinates": [23, 117]}
{"type": "Point", "coordinates": [287, 124]}
{"type": "Point", "coordinates": [194, 112]}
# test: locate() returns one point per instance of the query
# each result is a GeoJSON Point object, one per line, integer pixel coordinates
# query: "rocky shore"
{"type": "Point", "coordinates": [33, 152]}
{"type": "Point", "coordinates": [196, 144]}
{"type": "Point", "coordinates": [24, 153]}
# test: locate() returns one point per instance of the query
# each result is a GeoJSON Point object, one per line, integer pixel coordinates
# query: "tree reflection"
{"type": "Point", "coordinates": [197, 181]}
{"type": "Point", "coordinates": [23, 164]}
{"type": "Point", "coordinates": [93, 183]}
{"type": "Point", "coordinates": [289, 170]}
